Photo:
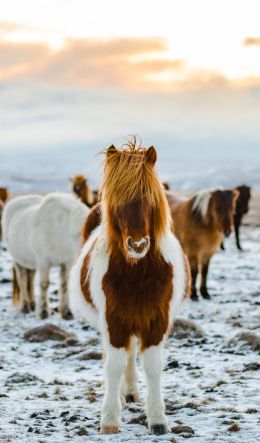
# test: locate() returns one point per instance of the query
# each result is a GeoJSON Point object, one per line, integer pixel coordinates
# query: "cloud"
{"type": "Point", "coordinates": [113, 63]}
{"type": "Point", "coordinates": [252, 41]}
{"type": "Point", "coordinates": [7, 28]}
{"type": "Point", "coordinates": [127, 64]}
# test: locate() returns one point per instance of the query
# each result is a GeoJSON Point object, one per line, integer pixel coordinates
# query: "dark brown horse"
{"type": "Point", "coordinates": [242, 207]}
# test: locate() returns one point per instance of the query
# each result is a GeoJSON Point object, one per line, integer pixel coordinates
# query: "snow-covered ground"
{"type": "Point", "coordinates": [52, 391]}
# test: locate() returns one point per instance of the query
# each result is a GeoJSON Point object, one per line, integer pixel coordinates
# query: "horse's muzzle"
{"type": "Point", "coordinates": [137, 249]}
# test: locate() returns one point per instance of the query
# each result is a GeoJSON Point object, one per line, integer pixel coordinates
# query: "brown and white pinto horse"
{"type": "Point", "coordinates": [199, 224]}
{"type": "Point", "coordinates": [130, 279]}
{"type": "Point", "coordinates": [82, 190]}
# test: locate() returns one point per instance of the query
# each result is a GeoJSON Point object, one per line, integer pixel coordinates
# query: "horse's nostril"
{"type": "Point", "coordinates": [130, 243]}
{"type": "Point", "coordinates": [137, 245]}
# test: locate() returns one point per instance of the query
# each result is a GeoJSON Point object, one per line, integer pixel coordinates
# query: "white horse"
{"type": "Point", "coordinates": [41, 232]}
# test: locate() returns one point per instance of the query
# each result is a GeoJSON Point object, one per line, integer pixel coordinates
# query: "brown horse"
{"type": "Point", "coordinates": [166, 185]}
{"type": "Point", "coordinates": [130, 279]}
{"type": "Point", "coordinates": [82, 190]}
{"type": "Point", "coordinates": [199, 224]}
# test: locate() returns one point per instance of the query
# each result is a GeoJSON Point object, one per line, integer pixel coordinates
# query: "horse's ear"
{"type": "Point", "coordinates": [111, 150]}
{"type": "Point", "coordinates": [151, 155]}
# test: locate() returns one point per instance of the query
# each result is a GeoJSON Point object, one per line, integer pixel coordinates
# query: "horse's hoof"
{"type": "Point", "coordinates": [66, 314]}
{"type": "Point", "coordinates": [44, 314]}
{"type": "Point", "coordinates": [159, 429]}
{"type": "Point", "coordinates": [106, 429]}
{"type": "Point", "coordinates": [132, 398]}
{"type": "Point", "coordinates": [194, 297]}
{"type": "Point", "coordinates": [25, 309]}
{"type": "Point", "coordinates": [206, 296]}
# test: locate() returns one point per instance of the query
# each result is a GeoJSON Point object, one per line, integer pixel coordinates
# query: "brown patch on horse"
{"type": "Point", "coordinates": [84, 280]}
{"type": "Point", "coordinates": [92, 221]}
{"type": "Point", "coordinates": [137, 299]}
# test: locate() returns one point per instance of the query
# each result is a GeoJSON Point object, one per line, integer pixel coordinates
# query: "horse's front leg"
{"type": "Point", "coordinates": [42, 304]}
{"type": "Point", "coordinates": [30, 287]}
{"type": "Point", "coordinates": [130, 389]}
{"type": "Point", "coordinates": [115, 364]}
{"type": "Point", "coordinates": [153, 366]}
{"type": "Point", "coordinates": [194, 274]}
{"type": "Point", "coordinates": [237, 222]}
{"type": "Point", "coordinates": [20, 288]}
{"type": "Point", "coordinates": [63, 292]}
{"type": "Point", "coordinates": [204, 274]}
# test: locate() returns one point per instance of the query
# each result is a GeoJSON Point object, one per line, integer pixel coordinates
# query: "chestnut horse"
{"type": "Point", "coordinates": [82, 190]}
{"type": "Point", "coordinates": [130, 280]}
{"type": "Point", "coordinates": [199, 224]}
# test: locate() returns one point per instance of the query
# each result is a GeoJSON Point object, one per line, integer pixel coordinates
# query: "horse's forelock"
{"type": "Point", "coordinates": [129, 175]}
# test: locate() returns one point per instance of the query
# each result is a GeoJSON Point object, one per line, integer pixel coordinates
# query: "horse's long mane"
{"type": "Point", "coordinates": [130, 176]}
{"type": "Point", "coordinates": [199, 203]}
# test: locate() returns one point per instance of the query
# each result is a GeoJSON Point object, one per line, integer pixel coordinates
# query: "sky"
{"type": "Point", "coordinates": [81, 74]}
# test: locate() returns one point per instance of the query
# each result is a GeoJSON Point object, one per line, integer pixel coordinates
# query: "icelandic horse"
{"type": "Point", "coordinates": [82, 190]}
{"type": "Point", "coordinates": [199, 223]}
{"type": "Point", "coordinates": [242, 208]}
{"type": "Point", "coordinates": [130, 280]}
{"type": "Point", "coordinates": [41, 232]}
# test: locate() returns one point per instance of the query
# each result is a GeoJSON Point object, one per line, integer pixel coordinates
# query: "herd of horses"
{"type": "Point", "coordinates": [129, 255]}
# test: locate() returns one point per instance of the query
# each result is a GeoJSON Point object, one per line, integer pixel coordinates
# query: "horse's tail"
{"type": "Point", "coordinates": [16, 288]}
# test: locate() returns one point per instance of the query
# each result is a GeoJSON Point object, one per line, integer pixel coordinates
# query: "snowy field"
{"type": "Point", "coordinates": [52, 391]}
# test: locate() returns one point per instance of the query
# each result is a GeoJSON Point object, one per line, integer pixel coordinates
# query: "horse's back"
{"type": "Point", "coordinates": [17, 223]}
{"type": "Point", "coordinates": [175, 201]}
{"type": "Point", "coordinates": [58, 227]}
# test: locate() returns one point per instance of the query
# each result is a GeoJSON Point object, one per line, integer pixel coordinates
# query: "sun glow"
{"type": "Point", "coordinates": [205, 36]}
